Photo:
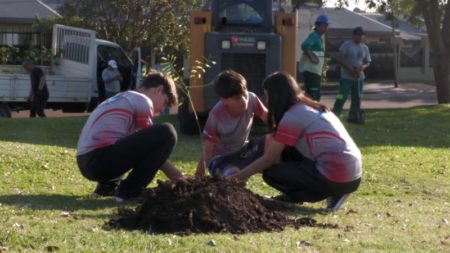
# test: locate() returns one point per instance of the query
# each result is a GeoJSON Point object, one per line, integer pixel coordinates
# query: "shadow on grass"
{"type": "Point", "coordinates": [415, 127]}
{"type": "Point", "coordinates": [56, 202]}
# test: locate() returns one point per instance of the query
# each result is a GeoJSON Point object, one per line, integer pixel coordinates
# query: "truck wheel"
{"type": "Point", "coordinates": [4, 111]}
{"type": "Point", "coordinates": [188, 124]}
{"type": "Point", "coordinates": [93, 104]}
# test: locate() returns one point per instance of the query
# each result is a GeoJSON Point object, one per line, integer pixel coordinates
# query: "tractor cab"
{"type": "Point", "coordinates": [242, 15]}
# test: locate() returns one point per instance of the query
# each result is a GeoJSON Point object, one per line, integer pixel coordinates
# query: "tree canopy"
{"type": "Point", "coordinates": [132, 23]}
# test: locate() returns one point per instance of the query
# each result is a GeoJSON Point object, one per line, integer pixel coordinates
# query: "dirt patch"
{"type": "Point", "coordinates": [208, 205]}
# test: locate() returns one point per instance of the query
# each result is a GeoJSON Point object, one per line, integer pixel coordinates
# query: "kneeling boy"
{"type": "Point", "coordinates": [229, 123]}
{"type": "Point", "coordinates": [120, 136]}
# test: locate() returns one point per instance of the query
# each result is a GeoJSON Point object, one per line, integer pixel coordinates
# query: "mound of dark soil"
{"type": "Point", "coordinates": [204, 206]}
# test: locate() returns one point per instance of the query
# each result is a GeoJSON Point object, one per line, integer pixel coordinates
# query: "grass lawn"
{"type": "Point", "coordinates": [403, 204]}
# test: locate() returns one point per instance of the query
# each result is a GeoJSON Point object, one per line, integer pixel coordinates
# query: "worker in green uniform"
{"type": "Point", "coordinates": [313, 58]}
{"type": "Point", "coordinates": [354, 57]}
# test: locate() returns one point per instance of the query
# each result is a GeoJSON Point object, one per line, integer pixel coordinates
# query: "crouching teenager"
{"type": "Point", "coordinates": [228, 127]}
{"type": "Point", "coordinates": [120, 136]}
{"type": "Point", "coordinates": [328, 165]}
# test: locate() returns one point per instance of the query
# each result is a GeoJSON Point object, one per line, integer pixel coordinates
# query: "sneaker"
{"type": "Point", "coordinates": [105, 189]}
{"type": "Point", "coordinates": [335, 203]}
{"type": "Point", "coordinates": [140, 198]}
{"type": "Point", "coordinates": [285, 198]}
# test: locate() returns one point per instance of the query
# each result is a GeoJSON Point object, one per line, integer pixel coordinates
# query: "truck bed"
{"type": "Point", "coordinates": [16, 87]}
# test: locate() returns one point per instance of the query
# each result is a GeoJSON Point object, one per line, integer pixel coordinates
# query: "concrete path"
{"type": "Point", "coordinates": [377, 95]}
{"type": "Point", "coordinates": [384, 95]}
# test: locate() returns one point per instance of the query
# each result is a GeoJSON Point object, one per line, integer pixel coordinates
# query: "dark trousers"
{"type": "Point", "coordinates": [37, 106]}
{"type": "Point", "coordinates": [299, 179]}
{"type": "Point", "coordinates": [347, 87]}
{"type": "Point", "coordinates": [143, 152]}
{"type": "Point", "coordinates": [312, 85]}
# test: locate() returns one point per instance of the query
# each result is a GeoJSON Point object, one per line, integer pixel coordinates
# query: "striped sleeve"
{"type": "Point", "coordinates": [288, 130]}
{"type": "Point", "coordinates": [210, 130]}
{"type": "Point", "coordinates": [144, 114]}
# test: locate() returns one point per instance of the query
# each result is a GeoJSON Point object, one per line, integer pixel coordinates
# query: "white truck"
{"type": "Point", "coordinates": [74, 77]}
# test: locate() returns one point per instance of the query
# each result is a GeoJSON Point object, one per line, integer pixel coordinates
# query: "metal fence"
{"type": "Point", "coordinates": [23, 41]}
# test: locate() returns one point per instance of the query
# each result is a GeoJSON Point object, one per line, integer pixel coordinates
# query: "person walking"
{"type": "Point", "coordinates": [354, 57]}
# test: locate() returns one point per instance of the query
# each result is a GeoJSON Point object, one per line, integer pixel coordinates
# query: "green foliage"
{"type": "Point", "coordinates": [46, 25]}
{"type": "Point", "coordinates": [133, 23]}
{"type": "Point", "coordinates": [7, 54]}
{"type": "Point", "coordinates": [402, 205]}
{"type": "Point", "coordinates": [42, 55]}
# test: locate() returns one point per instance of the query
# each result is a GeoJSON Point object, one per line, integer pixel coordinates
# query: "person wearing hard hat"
{"type": "Point", "coordinates": [313, 58]}
{"type": "Point", "coordinates": [112, 78]}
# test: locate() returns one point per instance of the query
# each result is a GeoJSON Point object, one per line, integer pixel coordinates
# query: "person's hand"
{"type": "Point", "coordinates": [356, 72]}
{"type": "Point", "coordinates": [199, 173]}
{"type": "Point", "coordinates": [30, 98]}
{"type": "Point", "coordinates": [240, 178]}
{"type": "Point", "coordinates": [313, 58]}
{"type": "Point", "coordinates": [324, 108]}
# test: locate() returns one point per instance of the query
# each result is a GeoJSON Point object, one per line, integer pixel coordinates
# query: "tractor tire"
{"type": "Point", "coordinates": [186, 119]}
{"type": "Point", "coordinates": [5, 112]}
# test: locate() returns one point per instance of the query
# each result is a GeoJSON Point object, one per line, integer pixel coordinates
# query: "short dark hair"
{"type": "Point", "coordinates": [155, 79]}
{"type": "Point", "coordinates": [358, 31]}
{"type": "Point", "coordinates": [230, 83]}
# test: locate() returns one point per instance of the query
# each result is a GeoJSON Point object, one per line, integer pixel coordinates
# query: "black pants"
{"type": "Point", "coordinates": [312, 85]}
{"type": "Point", "coordinates": [144, 152]}
{"type": "Point", "coordinates": [298, 178]}
{"type": "Point", "coordinates": [38, 106]}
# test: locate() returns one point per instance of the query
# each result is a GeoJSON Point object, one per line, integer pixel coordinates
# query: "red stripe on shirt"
{"type": "Point", "coordinates": [111, 111]}
{"type": "Point", "coordinates": [316, 135]}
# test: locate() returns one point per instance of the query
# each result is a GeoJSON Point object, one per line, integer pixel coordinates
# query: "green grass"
{"type": "Point", "coordinates": [403, 204]}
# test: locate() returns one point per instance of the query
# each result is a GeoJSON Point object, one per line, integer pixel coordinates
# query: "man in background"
{"type": "Point", "coordinates": [354, 57]}
{"type": "Point", "coordinates": [112, 78]}
{"type": "Point", "coordinates": [38, 94]}
{"type": "Point", "coordinates": [313, 58]}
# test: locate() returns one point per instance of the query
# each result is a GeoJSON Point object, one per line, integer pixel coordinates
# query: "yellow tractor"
{"type": "Point", "coordinates": [252, 37]}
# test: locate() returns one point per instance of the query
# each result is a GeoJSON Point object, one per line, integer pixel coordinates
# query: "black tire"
{"type": "Point", "coordinates": [5, 112]}
{"type": "Point", "coordinates": [188, 124]}
{"type": "Point", "coordinates": [93, 104]}
{"type": "Point", "coordinates": [72, 108]}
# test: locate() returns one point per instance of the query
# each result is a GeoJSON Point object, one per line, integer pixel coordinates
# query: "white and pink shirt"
{"type": "Point", "coordinates": [231, 133]}
{"type": "Point", "coordinates": [114, 119]}
{"type": "Point", "coordinates": [321, 137]}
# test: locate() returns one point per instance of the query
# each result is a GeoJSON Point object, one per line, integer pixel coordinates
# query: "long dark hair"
{"type": "Point", "coordinates": [283, 92]}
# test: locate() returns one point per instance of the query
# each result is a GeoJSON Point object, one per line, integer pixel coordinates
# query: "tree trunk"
{"type": "Point", "coordinates": [441, 76]}
{"type": "Point", "coordinates": [432, 15]}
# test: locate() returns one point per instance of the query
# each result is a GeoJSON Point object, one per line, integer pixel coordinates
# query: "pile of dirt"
{"type": "Point", "coordinates": [204, 206]}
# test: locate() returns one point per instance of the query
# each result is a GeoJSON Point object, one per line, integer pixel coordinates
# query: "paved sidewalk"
{"type": "Point", "coordinates": [377, 95]}
{"type": "Point", "coordinates": [384, 95]}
